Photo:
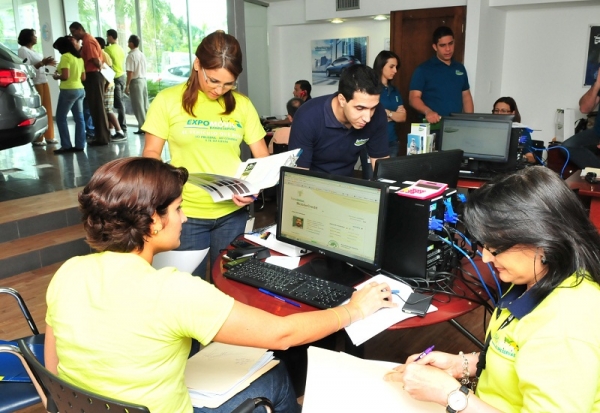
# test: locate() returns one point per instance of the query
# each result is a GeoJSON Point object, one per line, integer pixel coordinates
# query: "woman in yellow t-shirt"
{"type": "Point", "coordinates": [119, 327]}
{"type": "Point", "coordinates": [71, 74]}
{"type": "Point", "coordinates": [205, 120]}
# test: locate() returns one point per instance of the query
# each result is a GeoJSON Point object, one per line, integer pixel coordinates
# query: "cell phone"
{"type": "Point", "coordinates": [239, 243]}
{"type": "Point", "coordinates": [417, 304]}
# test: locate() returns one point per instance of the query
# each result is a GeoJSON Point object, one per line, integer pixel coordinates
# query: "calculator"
{"type": "Point", "coordinates": [423, 189]}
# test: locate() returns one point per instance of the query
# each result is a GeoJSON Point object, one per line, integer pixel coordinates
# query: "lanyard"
{"type": "Point", "coordinates": [481, 361]}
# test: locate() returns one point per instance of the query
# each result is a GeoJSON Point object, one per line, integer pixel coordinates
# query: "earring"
{"type": "Point", "coordinates": [155, 232]}
{"type": "Point", "coordinates": [543, 259]}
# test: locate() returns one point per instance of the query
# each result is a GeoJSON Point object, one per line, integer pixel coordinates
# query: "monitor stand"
{"type": "Point", "coordinates": [331, 269]}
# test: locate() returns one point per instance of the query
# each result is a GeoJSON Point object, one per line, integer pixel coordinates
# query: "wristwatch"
{"type": "Point", "coordinates": [458, 399]}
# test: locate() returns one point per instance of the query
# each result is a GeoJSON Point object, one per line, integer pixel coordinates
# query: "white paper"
{"type": "Point", "coordinates": [286, 262]}
{"type": "Point", "coordinates": [338, 382]}
{"type": "Point", "coordinates": [184, 261]}
{"type": "Point", "coordinates": [362, 330]}
{"type": "Point", "coordinates": [272, 243]}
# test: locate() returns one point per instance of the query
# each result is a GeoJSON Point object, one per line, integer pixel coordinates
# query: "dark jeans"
{"type": "Point", "coordinates": [582, 148]}
{"type": "Point", "coordinates": [199, 234]}
{"type": "Point", "coordinates": [119, 103]}
{"type": "Point", "coordinates": [94, 96]}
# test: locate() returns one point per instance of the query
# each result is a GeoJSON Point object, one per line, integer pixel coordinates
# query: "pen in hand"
{"type": "Point", "coordinates": [425, 352]}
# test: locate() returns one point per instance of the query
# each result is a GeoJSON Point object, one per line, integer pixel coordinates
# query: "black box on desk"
{"type": "Point", "coordinates": [411, 250]}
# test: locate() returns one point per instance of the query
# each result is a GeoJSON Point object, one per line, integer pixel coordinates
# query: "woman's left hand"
{"type": "Point", "coordinates": [424, 382]}
{"type": "Point", "coordinates": [243, 200]}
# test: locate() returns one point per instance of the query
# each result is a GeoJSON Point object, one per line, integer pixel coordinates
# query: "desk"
{"type": "Point", "coordinates": [585, 189]}
{"type": "Point", "coordinates": [469, 183]}
{"type": "Point", "coordinates": [447, 311]}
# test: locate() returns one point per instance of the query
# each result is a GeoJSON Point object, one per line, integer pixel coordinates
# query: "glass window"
{"type": "Point", "coordinates": [8, 30]}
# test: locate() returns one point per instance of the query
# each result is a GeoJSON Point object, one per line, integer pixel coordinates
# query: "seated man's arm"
{"type": "Point", "coordinates": [378, 146]}
{"type": "Point", "coordinates": [590, 99]}
{"type": "Point", "coordinates": [303, 136]}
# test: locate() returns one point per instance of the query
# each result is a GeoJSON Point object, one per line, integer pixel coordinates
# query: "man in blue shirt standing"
{"type": "Point", "coordinates": [440, 85]}
{"type": "Point", "coordinates": [331, 130]}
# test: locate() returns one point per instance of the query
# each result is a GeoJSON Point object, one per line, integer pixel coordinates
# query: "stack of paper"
{"type": "Point", "coordinates": [338, 382]}
{"type": "Point", "coordinates": [362, 330]}
{"type": "Point", "coordinates": [219, 371]}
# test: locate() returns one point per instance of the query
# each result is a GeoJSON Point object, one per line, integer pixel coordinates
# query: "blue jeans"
{"type": "Point", "coordinates": [198, 234]}
{"type": "Point", "coordinates": [274, 385]}
{"type": "Point", "coordinates": [70, 100]}
{"type": "Point", "coordinates": [582, 147]}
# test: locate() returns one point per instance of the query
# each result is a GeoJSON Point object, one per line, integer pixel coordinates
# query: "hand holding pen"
{"type": "Point", "coordinates": [424, 353]}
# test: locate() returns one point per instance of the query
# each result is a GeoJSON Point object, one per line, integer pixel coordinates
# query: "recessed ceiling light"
{"type": "Point", "coordinates": [337, 21]}
{"type": "Point", "coordinates": [380, 17]}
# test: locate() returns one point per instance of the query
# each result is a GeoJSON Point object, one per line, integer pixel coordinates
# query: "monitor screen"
{"type": "Point", "coordinates": [480, 139]}
{"type": "Point", "coordinates": [339, 217]}
{"type": "Point", "coordinates": [442, 166]}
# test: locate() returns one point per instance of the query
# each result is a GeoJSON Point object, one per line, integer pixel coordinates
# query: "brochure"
{"type": "Point", "coordinates": [251, 177]}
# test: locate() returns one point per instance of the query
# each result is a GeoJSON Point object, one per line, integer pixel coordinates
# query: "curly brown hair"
{"type": "Point", "coordinates": [119, 201]}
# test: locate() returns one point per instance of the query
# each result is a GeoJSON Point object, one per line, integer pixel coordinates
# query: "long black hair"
{"type": "Point", "coordinates": [535, 207]}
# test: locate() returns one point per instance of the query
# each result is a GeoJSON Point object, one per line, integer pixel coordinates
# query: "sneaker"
{"type": "Point", "coordinates": [118, 137]}
{"type": "Point", "coordinates": [51, 141]}
{"type": "Point", "coordinates": [139, 132]}
{"type": "Point", "coordinates": [41, 143]}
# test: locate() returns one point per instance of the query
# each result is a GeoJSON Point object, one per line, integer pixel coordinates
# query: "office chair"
{"type": "Point", "coordinates": [16, 396]}
{"type": "Point", "coordinates": [65, 397]}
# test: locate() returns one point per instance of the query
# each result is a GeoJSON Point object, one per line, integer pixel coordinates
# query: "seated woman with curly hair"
{"type": "Point", "coordinates": [119, 327]}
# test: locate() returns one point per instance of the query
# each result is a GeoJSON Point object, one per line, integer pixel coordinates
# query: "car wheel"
{"type": "Point", "coordinates": [328, 73]}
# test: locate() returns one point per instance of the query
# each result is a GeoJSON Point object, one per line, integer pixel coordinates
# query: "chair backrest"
{"type": "Point", "coordinates": [65, 397]}
{"type": "Point", "coordinates": [22, 306]}
{"type": "Point", "coordinates": [279, 148]}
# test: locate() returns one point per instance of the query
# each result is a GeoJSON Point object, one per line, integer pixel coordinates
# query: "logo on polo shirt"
{"type": "Point", "coordinates": [459, 73]}
{"type": "Point", "coordinates": [361, 142]}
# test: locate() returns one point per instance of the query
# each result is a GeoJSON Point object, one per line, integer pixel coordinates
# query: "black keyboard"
{"type": "Point", "coordinates": [292, 284]}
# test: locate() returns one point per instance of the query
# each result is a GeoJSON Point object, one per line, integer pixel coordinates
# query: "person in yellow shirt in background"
{"type": "Point", "coordinates": [117, 54]}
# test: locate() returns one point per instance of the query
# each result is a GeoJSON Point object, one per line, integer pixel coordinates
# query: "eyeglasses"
{"type": "Point", "coordinates": [496, 251]}
{"type": "Point", "coordinates": [503, 111]}
{"type": "Point", "coordinates": [214, 84]}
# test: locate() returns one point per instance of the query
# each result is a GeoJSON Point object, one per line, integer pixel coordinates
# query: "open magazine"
{"type": "Point", "coordinates": [252, 176]}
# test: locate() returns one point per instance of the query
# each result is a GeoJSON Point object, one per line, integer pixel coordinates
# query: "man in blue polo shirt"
{"type": "Point", "coordinates": [582, 146]}
{"type": "Point", "coordinates": [440, 85]}
{"type": "Point", "coordinates": [331, 130]}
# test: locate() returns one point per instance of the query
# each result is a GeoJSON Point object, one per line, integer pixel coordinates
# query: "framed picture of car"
{"type": "Point", "coordinates": [331, 56]}
{"type": "Point", "coordinates": [592, 63]}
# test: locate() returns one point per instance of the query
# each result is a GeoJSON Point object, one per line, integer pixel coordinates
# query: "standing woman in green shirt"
{"type": "Point", "coordinates": [71, 74]}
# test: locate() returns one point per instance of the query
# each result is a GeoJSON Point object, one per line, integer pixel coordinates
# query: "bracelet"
{"type": "Point", "coordinates": [348, 311]}
{"type": "Point", "coordinates": [465, 365]}
{"type": "Point", "coordinates": [338, 317]}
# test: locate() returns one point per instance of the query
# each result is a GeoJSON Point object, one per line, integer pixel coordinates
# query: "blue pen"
{"type": "Point", "coordinates": [262, 290]}
{"type": "Point", "coordinates": [424, 353]}
{"type": "Point", "coordinates": [395, 291]}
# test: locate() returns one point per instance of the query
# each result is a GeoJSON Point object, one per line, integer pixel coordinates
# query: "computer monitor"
{"type": "Point", "coordinates": [505, 116]}
{"type": "Point", "coordinates": [339, 217]}
{"type": "Point", "coordinates": [486, 140]}
{"type": "Point", "coordinates": [441, 166]}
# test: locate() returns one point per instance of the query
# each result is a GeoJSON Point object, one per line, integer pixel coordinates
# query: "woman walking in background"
{"type": "Point", "coordinates": [27, 39]}
{"type": "Point", "coordinates": [71, 74]}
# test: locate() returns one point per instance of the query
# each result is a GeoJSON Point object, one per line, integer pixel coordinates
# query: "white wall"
{"type": "Point", "coordinates": [533, 50]}
{"type": "Point", "coordinates": [290, 58]}
{"type": "Point", "coordinates": [544, 59]}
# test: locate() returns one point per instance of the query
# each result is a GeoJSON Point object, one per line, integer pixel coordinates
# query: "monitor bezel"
{"type": "Point", "coordinates": [504, 116]}
{"type": "Point", "coordinates": [478, 156]}
{"type": "Point", "coordinates": [378, 256]}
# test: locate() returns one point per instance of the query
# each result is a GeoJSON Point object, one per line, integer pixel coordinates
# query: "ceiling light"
{"type": "Point", "coordinates": [380, 17]}
{"type": "Point", "coordinates": [337, 21]}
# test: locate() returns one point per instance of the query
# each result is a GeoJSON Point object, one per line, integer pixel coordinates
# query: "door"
{"type": "Point", "coordinates": [410, 39]}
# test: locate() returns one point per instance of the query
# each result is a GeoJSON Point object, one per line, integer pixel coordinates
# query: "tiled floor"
{"type": "Point", "coordinates": [28, 170]}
